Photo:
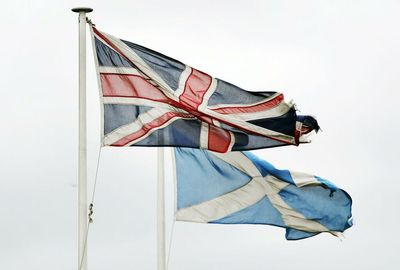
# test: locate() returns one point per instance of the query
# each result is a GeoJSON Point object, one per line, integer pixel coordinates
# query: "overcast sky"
{"type": "Point", "coordinates": [339, 61]}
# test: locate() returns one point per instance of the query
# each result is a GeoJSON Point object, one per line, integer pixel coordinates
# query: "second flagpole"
{"type": "Point", "coordinates": [161, 262]}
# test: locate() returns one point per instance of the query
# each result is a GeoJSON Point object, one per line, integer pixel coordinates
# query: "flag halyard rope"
{"type": "Point", "coordinates": [91, 205]}
{"type": "Point", "coordinates": [171, 236]}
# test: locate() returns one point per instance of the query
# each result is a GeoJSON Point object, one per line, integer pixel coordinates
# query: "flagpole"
{"type": "Point", "coordinates": [82, 154]}
{"type": "Point", "coordinates": [161, 262]}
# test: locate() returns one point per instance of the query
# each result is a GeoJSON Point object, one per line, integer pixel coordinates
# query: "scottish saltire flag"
{"type": "Point", "coordinates": [239, 188]}
{"type": "Point", "coordinates": [149, 99]}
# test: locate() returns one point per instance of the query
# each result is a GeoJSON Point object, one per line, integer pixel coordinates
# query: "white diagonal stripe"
{"type": "Point", "coordinates": [142, 65]}
{"type": "Point", "coordinates": [157, 128]}
{"type": "Point", "coordinates": [182, 80]}
{"type": "Point", "coordinates": [276, 111]}
{"type": "Point", "coordinates": [291, 218]}
{"type": "Point", "coordinates": [232, 142]}
{"type": "Point", "coordinates": [224, 205]}
{"type": "Point", "coordinates": [204, 135]}
{"type": "Point", "coordinates": [238, 105]}
{"type": "Point", "coordinates": [136, 125]}
{"type": "Point", "coordinates": [246, 196]}
{"type": "Point", "coordinates": [139, 102]}
{"type": "Point", "coordinates": [303, 179]}
{"type": "Point", "coordinates": [239, 161]}
{"type": "Point", "coordinates": [120, 70]}
{"type": "Point", "coordinates": [248, 126]}
{"type": "Point", "coordinates": [207, 95]}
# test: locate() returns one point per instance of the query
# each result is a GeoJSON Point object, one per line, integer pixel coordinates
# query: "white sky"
{"type": "Point", "coordinates": [339, 60]}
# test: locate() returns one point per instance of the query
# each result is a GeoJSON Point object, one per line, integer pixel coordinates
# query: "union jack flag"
{"type": "Point", "coordinates": [149, 99]}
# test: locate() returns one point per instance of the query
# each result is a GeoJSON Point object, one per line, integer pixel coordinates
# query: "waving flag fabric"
{"type": "Point", "coordinates": [239, 188]}
{"type": "Point", "coordinates": [150, 99]}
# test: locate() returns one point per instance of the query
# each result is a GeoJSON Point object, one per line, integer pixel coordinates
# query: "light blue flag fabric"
{"type": "Point", "coordinates": [240, 188]}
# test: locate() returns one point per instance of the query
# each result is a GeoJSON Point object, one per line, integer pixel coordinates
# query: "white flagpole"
{"type": "Point", "coordinates": [82, 155]}
{"type": "Point", "coordinates": [161, 263]}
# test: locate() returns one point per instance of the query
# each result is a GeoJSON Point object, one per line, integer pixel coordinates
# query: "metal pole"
{"type": "Point", "coordinates": [82, 155]}
{"type": "Point", "coordinates": [161, 265]}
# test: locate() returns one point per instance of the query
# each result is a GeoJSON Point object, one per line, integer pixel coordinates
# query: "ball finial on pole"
{"type": "Point", "coordinates": [82, 9]}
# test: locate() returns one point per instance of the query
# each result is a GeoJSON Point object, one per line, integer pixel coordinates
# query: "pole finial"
{"type": "Point", "coordinates": [82, 9]}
